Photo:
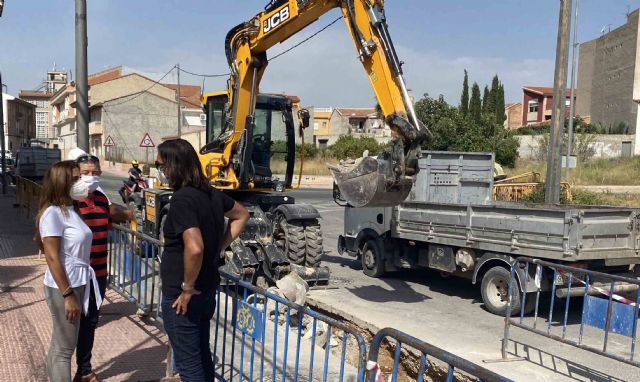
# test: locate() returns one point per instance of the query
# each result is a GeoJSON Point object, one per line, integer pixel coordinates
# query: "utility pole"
{"type": "Point", "coordinates": [552, 192]}
{"type": "Point", "coordinates": [573, 83]}
{"type": "Point", "coordinates": [179, 105]}
{"type": "Point", "coordinates": [82, 86]}
{"type": "Point", "coordinates": [3, 154]}
{"type": "Point", "coordinates": [3, 159]}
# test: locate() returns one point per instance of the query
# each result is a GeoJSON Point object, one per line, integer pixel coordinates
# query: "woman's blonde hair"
{"type": "Point", "coordinates": [55, 190]}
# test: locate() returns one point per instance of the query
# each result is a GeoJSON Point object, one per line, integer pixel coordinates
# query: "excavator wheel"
{"type": "Point", "coordinates": [290, 238]}
{"type": "Point", "coordinates": [313, 243]}
{"type": "Point", "coordinates": [300, 240]}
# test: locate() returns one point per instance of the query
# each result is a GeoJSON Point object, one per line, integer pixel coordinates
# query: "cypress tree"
{"type": "Point", "coordinates": [475, 106]}
{"type": "Point", "coordinates": [464, 99]}
{"type": "Point", "coordinates": [493, 95]}
{"type": "Point", "coordinates": [500, 106]}
{"type": "Point", "coordinates": [485, 99]}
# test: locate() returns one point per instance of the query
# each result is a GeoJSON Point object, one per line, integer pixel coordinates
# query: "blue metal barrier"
{"type": "Point", "coordinates": [402, 340]}
{"type": "Point", "coordinates": [603, 307]}
{"type": "Point", "coordinates": [252, 338]}
{"type": "Point", "coordinates": [260, 335]}
{"type": "Point", "coordinates": [134, 265]}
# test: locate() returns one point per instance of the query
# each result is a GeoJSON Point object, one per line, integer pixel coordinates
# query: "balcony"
{"type": "Point", "coordinates": [95, 128]}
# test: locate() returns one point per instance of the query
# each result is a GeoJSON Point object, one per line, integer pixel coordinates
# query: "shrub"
{"type": "Point", "coordinates": [279, 150]}
{"type": "Point", "coordinates": [348, 146]}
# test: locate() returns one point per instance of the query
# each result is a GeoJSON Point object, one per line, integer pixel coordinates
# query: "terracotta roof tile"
{"type": "Point", "coordinates": [34, 94]}
{"type": "Point", "coordinates": [190, 94]}
{"type": "Point", "coordinates": [544, 90]}
{"type": "Point", "coordinates": [105, 75]}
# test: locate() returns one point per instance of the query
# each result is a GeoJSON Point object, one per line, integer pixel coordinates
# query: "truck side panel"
{"type": "Point", "coordinates": [568, 234]}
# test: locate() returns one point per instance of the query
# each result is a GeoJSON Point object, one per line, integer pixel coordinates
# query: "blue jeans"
{"type": "Point", "coordinates": [189, 336]}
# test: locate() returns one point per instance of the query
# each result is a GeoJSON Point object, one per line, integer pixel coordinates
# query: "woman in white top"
{"type": "Point", "coordinates": [66, 241]}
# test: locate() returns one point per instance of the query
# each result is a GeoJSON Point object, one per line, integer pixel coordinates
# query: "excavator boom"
{"type": "Point", "coordinates": [381, 181]}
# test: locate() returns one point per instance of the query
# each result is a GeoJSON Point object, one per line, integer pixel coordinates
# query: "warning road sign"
{"type": "Point", "coordinates": [146, 141]}
{"type": "Point", "coordinates": [109, 141]}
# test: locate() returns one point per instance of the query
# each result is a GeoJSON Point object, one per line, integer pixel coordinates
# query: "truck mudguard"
{"type": "Point", "coordinates": [507, 261]}
{"type": "Point", "coordinates": [298, 211]}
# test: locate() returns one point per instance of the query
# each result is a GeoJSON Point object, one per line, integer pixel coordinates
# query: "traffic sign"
{"type": "Point", "coordinates": [109, 141]}
{"type": "Point", "coordinates": [146, 141]}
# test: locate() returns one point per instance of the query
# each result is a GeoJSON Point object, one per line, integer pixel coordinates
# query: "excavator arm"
{"type": "Point", "coordinates": [381, 181]}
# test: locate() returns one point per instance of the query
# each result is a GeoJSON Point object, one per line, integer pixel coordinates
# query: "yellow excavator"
{"type": "Point", "coordinates": [243, 124]}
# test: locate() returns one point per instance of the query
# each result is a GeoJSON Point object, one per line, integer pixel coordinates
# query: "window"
{"type": "Point", "coordinates": [567, 102]}
{"type": "Point", "coordinates": [324, 124]}
{"type": "Point", "coordinates": [322, 143]}
{"type": "Point", "coordinates": [533, 106]}
{"type": "Point", "coordinates": [315, 126]}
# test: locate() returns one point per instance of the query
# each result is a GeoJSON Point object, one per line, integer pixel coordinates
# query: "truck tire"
{"type": "Point", "coordinates": [291, 239]}
{"type": "Point", "coordinates": [313, 243]}
{"type": "Point", "coordinates": [495, 292]}
{"type": "Point", "coordinates": [372, 261]}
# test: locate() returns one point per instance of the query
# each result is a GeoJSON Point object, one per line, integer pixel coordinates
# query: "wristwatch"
{"type": "Point", "coordinates": [187, 288]}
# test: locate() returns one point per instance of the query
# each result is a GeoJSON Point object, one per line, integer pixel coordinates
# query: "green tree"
{"type": "Point", "coordinates": [485, 99]}
{"type": "Point", "coordinates": [493, 96]}
{"type": "Point", "coordinates": [454, 132]}
{"type": "Point", "coordinates": [475, 106]}
{"type": "Point", "coordinates": [464, 99]}
{"type": "Point", "coordinates": [500, 106]}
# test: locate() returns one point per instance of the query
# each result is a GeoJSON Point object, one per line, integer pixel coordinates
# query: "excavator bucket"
{"type": "Point", "coordinates": [371, 182]}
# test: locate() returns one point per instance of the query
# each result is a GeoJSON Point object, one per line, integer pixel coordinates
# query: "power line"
{"type": "Point", "coordinates": [306, 39]}
{"type": "Point", "coordinates": [145, 90]}
{"type": "Point", "coordinates": [272, 58]}
{"type": "Point", "coordinates": [204, 75]}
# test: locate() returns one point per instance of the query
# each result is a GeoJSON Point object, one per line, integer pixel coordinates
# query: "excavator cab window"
{"type": "Point", "coordinates": [215, 117]}
{"type": "Point", "coordinates": [261, 155]}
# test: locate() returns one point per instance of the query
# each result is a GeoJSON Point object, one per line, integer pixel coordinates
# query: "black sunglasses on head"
{"type": "Point", "coordinates": [88, 158]}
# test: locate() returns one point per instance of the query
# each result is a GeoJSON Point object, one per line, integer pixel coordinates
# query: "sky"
{"type": "Point", "coordinates": [436, 39]}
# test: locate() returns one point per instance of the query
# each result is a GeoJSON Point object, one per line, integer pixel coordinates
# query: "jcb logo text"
{"type": "Point", "coordinates": [276, 19]}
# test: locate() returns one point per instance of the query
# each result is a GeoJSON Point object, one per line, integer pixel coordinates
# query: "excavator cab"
{"type": "Point", "coordinates": [272, 138]}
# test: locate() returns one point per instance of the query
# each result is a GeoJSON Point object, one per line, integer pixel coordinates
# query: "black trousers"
{"type": "Point", "coordinates": [88, 324]}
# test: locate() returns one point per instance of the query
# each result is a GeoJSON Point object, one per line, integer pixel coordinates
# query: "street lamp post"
{"type": "Point", "coordinates": [3, 158]}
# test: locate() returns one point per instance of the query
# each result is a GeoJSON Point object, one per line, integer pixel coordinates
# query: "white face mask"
{"type": "Point", "coordinates": [93, 182]}
{"type": "Point", "coordinates": [162, 177]}
{"type": "Point", "coordinates": [79, 190]}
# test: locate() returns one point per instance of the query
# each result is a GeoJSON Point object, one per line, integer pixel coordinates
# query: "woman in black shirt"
{"type": "Point", "coordinates": [194, 236]}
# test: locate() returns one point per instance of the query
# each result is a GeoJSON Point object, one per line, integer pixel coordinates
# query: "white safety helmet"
{"type": "Point", "coordinates": [76, 153]}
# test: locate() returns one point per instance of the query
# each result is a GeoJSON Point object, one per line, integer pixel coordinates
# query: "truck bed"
{"type": "Point", "coordinates": [567, 233]}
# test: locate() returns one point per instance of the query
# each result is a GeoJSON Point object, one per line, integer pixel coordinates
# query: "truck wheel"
{"type": "Point", "coordinates": [313, 243]}
{"type": "Point", "coordinates": [495, 293]}
{"type": "Point", "coordinates": [372, 262]}
{"type": "Point", "coordinates": [290, 238]}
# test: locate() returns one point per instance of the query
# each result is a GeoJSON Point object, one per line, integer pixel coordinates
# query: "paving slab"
{"type": "Point", "coordinates": [127, 347]}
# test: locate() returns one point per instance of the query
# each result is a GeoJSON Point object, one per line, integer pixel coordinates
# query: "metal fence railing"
{"type": "Point", "coordinates": [604, 306]}
{"type": "Point", "coordinates": [259, 334]}
{"type": "Point", "coordinates": [28, 195]}
{"type": "Point", "coordinates": [134, 268]}
{"type": "Point", "coordinates": [426, 352]}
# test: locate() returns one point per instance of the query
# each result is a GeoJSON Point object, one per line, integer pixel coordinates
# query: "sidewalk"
{"type": "Point", "coordinates": [127, 347]}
